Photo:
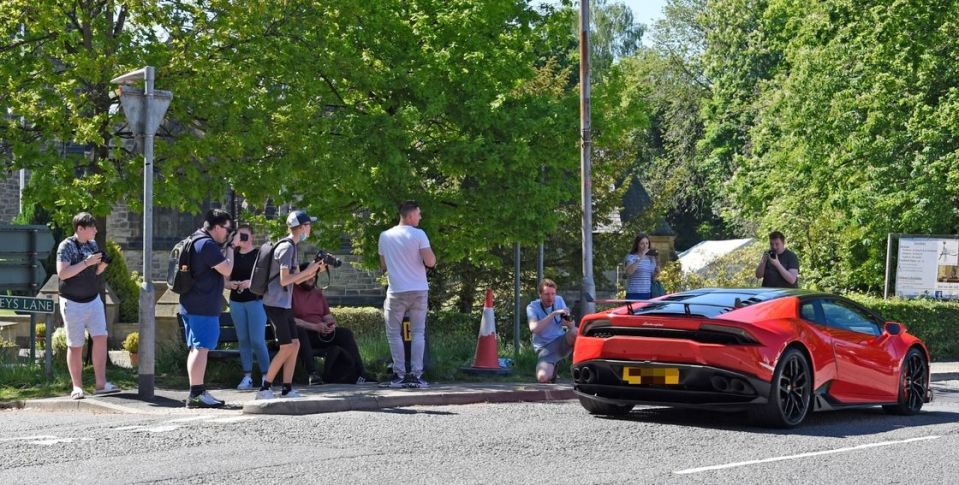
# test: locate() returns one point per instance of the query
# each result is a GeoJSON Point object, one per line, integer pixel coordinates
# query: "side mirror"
{"type": "Point", "coordinates": [893, 328]}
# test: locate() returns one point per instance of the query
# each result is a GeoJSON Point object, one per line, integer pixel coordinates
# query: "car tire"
{"type": "Point", "coordinates": [913, 384]}
{"type": "Point", "coordinates": [790, 393]}
{"type": "Point", "coordinates": [593, 406]}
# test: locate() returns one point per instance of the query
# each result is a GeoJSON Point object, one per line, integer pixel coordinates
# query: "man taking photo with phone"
{"type": "Point", "coordinates": [779, 267]}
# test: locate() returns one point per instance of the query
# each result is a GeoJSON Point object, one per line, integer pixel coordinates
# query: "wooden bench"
{"type": "Point", "coordinates": [228, 335]}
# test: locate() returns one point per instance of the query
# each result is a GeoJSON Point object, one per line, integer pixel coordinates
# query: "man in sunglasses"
{"type": "Point", "coordinates": [201, 305]}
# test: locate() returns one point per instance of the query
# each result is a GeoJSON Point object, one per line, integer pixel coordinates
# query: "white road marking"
{"type": "Point", "coordinates": [235, 419]}
{"type": "Point", "coordinates": [802, 455]}
{"type": "Point", "coordinates": [28, 438]}
{"type": "Point", "coordinates": [186, 420]}
{"type": "Point", "coordinates": [54, 441]}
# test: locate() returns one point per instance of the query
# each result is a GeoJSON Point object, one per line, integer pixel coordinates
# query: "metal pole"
{"type": "Point", "coordinates": [23, 184]}
{"type": "Point", "coordinates": [33, 338]}
{"type": "Point", "coordinates": [48, 353]}
{"type": "Point", "coordinates": [587, 302]}
{"type": "Point", "coordinates": [516, 303]}
{"type": "Point", "coordinates": [145, 379]}
{"type": "Point", "coordinates": [885, 291]}
{"type": "Point", "coordinates": [539, 264]}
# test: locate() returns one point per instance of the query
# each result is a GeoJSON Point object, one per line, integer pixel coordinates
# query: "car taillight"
{"type": "Point", "coordinates": [741, 335]}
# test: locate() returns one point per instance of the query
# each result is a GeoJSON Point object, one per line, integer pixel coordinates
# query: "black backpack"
{"type": "Point", "coordinates": [180, 266]}
{"type": "Point", "coordinates": [260, 279]}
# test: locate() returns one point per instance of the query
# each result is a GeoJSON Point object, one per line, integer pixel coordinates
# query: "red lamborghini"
{"type": "Point", "coordinates": [776, 353]}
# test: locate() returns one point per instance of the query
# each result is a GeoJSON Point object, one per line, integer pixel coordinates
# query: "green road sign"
{"type": "Point", "coordinates": [27, 304]}
{"type": "Point", "coordinates": [21, 240]}
{"type": "Point", "coordinates": [14, 275]}
{"type": "Point", "coordinates": [22, 249]}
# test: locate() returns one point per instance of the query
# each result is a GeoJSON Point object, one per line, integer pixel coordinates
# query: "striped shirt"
{"type": "Point", "coordinates": [642, 279]}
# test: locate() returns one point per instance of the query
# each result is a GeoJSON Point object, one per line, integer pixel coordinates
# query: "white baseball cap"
{"type": "Point", "coordinates": [297, 218]}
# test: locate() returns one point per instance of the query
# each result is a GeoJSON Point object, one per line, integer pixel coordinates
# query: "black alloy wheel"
{"type": "Point", "coordinates": [913, 384]}
{"type": "Point", "coordinates": [790, 395]}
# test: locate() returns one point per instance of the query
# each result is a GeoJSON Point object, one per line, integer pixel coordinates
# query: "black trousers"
{"type": "Point", "coordinates": [347, 349]}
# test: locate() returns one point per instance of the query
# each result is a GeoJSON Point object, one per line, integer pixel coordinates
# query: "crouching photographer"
{"type": "Point", "coordinates": [553, 329]}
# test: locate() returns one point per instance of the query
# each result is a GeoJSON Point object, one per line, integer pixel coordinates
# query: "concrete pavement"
{"type": "Point", "coordinates": [326, 398]}
{"type": "Point", "coordinates": [336, 398]}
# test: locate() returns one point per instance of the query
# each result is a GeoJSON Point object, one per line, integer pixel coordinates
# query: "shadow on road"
{"type": "Point", "coordinates": [838, 424]}
{"type": "Point", "coordinates": [410, 411]}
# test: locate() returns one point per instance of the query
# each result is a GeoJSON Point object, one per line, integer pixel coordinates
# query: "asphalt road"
{"type": "Point", "coordinates": [485, 443]}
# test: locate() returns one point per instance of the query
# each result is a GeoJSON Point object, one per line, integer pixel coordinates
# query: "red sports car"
{"type": "Point", "coordinates": [777, 353]}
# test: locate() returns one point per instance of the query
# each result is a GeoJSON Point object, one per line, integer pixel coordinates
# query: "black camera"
{"type": "Point", "coordinates": [772, 253]}
{"type": "Point", "coordinates": [566, 316]}
{"type": "Point", "coordinates": [105, 258]}
{"type": "Point", "coordinates": [327, 258]}
{"type": "Point", "coordinates": [244, 236]}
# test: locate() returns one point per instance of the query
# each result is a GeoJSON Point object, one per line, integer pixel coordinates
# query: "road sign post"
{"type": "Point", "coordinates": [144, 110]}
{"type": "Point", "coordinates": [33, 306]}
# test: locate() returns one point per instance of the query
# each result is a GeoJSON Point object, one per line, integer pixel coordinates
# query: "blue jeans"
{"type": "Point", "coordinates": [249, 318]}
{"type": "Point", "coordinates": [638, 296]}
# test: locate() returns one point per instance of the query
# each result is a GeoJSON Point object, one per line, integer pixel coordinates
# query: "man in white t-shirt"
{"type": "Point", "coordinates": [405, 255]}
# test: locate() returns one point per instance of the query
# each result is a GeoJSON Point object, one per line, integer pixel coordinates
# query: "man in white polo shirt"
{"type": "Point", "coordinates": [405, 255]}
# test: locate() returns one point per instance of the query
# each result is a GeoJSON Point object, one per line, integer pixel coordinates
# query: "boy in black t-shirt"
{"type": "Point", "coordinates": [779, 267]}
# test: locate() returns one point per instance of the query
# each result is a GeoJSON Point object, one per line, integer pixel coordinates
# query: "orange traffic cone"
{"type": "Point", "coordinates": [486, 360]}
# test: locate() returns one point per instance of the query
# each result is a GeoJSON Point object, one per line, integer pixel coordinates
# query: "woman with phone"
{"type": "Point", "coordinates": [249, 317]}
{"type": "Point", "coordinates": [641, 269]}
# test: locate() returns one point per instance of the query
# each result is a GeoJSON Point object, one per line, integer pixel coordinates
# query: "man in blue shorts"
{"type": "Point", "coordinates": [201, 305]}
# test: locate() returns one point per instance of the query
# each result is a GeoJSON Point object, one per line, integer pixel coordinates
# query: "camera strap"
{"type": "Point", "coordinates": [546, 313]}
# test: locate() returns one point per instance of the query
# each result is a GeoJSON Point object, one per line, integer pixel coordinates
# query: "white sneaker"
{"type": "Point", "coordinates": [108, 388]}
{"type": "Point", "coordinates": [267, 394]}
{"type": "Point", "coordinates": [246, 384]}
{"type": "Point", "coordinates": [292, 394]}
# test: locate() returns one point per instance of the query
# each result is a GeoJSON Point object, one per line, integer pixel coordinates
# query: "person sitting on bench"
{"type": "Point", "coordinates": [317, 328]}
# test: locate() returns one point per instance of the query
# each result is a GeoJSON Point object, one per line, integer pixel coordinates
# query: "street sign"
{"type": "Point", "coordinates": [22, 249]}
{"type": "Point", "coordinates": [132, 101]}
{"type": "Point", "coordinates": [16, 239]}
{"type": "Point", "coordinates": [27, 304]}
{"type": "Point", "coordinates": [18, 275]}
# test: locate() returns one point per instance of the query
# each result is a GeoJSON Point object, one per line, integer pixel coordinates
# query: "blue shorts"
{"type": "Point", "coordinates": [202, 331]}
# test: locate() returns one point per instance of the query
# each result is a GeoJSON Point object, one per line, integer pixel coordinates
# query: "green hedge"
{"type": "Point", "coordinates": [369, 321]}
{"type": "Point", "coordinates": [936, 323]}
{"type": "Point", "coordinates": [125, 285]}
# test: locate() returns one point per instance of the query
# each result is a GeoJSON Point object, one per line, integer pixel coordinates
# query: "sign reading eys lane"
{"type": "Point", "coordinates": [27, 304]}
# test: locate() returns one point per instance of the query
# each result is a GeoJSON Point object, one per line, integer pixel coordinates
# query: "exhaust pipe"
{"type": "Point", "coordinates": [587, 375]}
{"type": "Point", "coordinates": [720, 383]}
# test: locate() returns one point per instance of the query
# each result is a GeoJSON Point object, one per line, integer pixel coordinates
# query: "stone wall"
{"type": "Point", "coordinates": [9, 195]}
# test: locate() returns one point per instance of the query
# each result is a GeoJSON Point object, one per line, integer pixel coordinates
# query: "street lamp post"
{"type": "Point", "coordinates": [144, 110]}
{"type": "Point", "coordinates": [588, 300]}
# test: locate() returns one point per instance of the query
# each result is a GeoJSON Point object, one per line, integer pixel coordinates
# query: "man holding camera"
{"type": "Point", "coordinates": [79, 263]}
{"type": "Point", "coordinates": [278, 302]}
{"type": "Point", "coordinates": [779, 267]}
{"type": "Point", "coordinates": [201, 305]}
{"type": "Point", "coordinates": [553, 329]}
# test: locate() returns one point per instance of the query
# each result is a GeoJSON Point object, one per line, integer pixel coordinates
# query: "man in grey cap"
{"type": "Point", "coordinates": [278, 302]}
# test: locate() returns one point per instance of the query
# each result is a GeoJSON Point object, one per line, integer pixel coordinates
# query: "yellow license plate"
{"type": "Point", "coordinates": [651, 375]}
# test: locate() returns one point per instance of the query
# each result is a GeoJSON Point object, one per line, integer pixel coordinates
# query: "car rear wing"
{"type": "Point", "coordinates": [737, 304]}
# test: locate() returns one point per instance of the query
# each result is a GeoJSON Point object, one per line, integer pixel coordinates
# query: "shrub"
{"type": "Point", "coordinates": [41, 341]}
{"type": "Point", "coordinates": [59, 341]}
{"type": "Point", "coordinates": [935, 322]}
{"type": "Point", "coordinates": [125, 285]}
{"type": "Point", "coordinates": [132, 343]}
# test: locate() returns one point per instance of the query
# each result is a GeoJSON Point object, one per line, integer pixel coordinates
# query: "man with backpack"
{"type": "Point", "coordinates": [202, 302]}
{"type": "Point", "coordinates": [278, 300]}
